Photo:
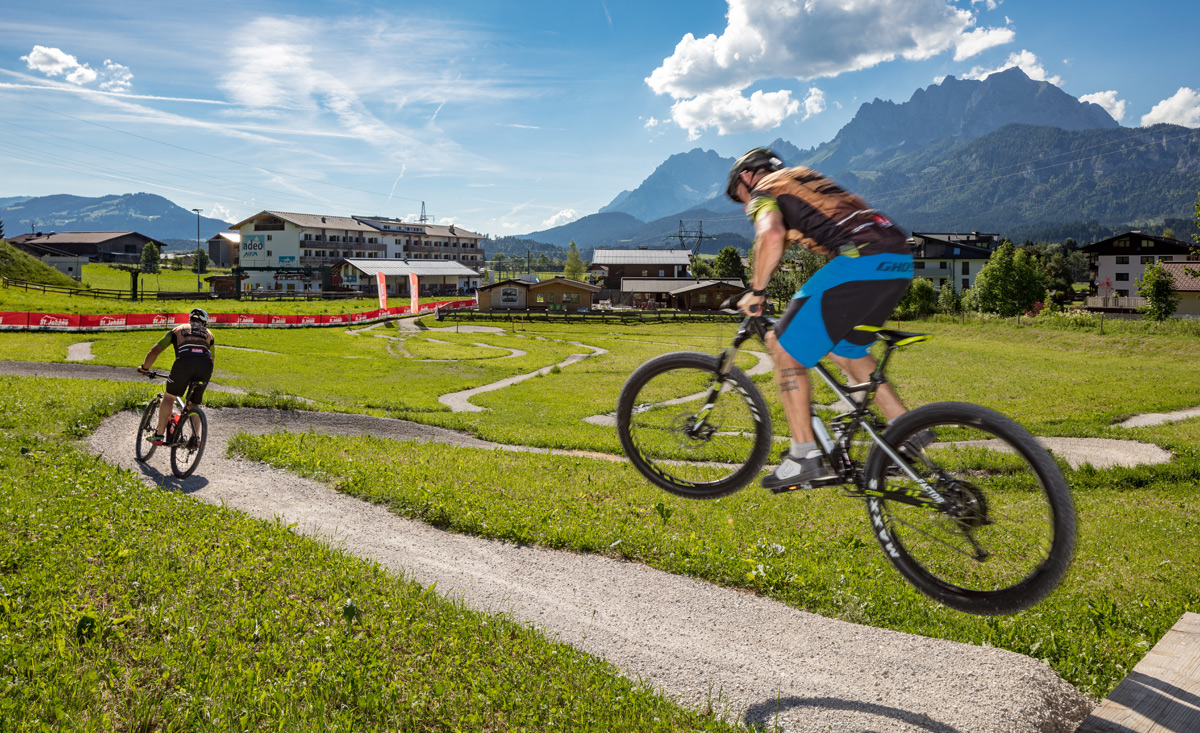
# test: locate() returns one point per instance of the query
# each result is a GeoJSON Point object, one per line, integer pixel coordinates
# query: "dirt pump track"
{"type": "Point", "coordinates": [758, 660]}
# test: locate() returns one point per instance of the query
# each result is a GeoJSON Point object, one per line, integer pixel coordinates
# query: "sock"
{"type": "Point", "coordinates": [801, 450]}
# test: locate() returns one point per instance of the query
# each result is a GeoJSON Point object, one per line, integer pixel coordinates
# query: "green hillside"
{"type": "Point", "coordinates": [21, 266]}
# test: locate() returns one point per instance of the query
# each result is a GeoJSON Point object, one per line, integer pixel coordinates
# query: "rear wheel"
{"type": "Point", "coordinates": [1006, 534]}
{"type": "Point", "coordinates": [190, 437]}
{"type": "Point", "coordinates": [146, 427]}
{"type": "Point", "coordinates": [678, 445]}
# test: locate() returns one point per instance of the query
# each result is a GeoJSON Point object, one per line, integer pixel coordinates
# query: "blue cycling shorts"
{"type": "Point", "coordinates": [846, 292]}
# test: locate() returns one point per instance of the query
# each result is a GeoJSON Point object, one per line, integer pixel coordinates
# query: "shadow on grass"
{"type": "Point", "coordinates": [761, 716]}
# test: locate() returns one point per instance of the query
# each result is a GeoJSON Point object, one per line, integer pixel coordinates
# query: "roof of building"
{"type": "Point", "coordinates": [712, 283]}
{"type": "Point", "coordinates": [1164, 244]}
{"type": "Point", "coordinates": [932, 248]}
{"type": "Point", "coordinates": [312, 221]}
{"type": "Point", "coordinates": [235, 237]}
{"type": "Point", "coordinates": [423, 268]}
{"type": "Point", "coordinates": [1186, 274]}
{"type": "Point", "coordinates": [669, 284]}
{"type": "Point", "coordinates": [560, 280]}
{"type": "Point", "coordinates": [37, 249]}
{"type": "Point", "coordinates": [641, 257]}
{"type": "Point", "coordinates": [53, 238]}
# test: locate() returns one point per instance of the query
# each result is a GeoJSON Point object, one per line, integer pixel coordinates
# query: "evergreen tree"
{"type": "Point", "coordinates": [150, 258]}
{"type": "Point", "coordinates": [1158, 288]}
{"type": "Point", "coordinates": [729, 264]}
{"type": "Point", "coordinates": [1, 229]}
{"type": "Point", "coordinates": [576, 268]}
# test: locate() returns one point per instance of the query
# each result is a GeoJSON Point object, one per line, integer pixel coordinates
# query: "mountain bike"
{"type": "Point", "coordinates": [187, 432]}
{"type": "Point", "coordinates": [980, 519]}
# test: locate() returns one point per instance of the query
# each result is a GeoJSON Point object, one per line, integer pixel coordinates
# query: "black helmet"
{"type": "Point", "coordinates": [199, 314]}
{"type": "Point", "coordinates": [755, 160]}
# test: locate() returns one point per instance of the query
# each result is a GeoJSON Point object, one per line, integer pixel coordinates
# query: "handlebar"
{"type": "Point", "coordinates": [151, 374]}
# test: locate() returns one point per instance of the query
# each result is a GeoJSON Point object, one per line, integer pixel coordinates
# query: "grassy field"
{"type": "Point", "coordinates": [128, 608]}
{"type": "Point", "coordinates": [1134, 573]}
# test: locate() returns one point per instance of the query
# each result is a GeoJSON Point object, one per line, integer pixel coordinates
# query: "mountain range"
{"type": "Point", "coordinates": [1002, 154]}
{"type": "Point", "coordinates": [144, 213]}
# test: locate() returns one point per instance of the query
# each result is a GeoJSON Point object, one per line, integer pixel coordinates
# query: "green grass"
{"type": "Point", "coordinates": [124, 607]}
{"type": "Point", "coordinates": [1133, 575]}
{"type": "Point", "coordinates": [19, 265]}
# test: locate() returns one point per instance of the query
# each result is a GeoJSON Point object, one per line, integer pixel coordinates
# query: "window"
{"type": "Point", "coordinates": [662, 273]}
{"type": "Point", "coordinates": [1122, 293]}
{"type": "Point", "coordinates": [920, 265]}
{"type": "Point", "coordinates": [1147, 259]}
{"type": "Point", "coordinates": [1166, 258]}
{"type": "Point", "coordinates": [1122, 277]}
{"type": "Point", "coordinates": [268, 253]}
{"type": "Point", "coordinates": [541, 297]}
{"type": "Point", "coordinates": [966, 268]}
{"type": "Point", "coordinates": [645, 273]}
{"type": "Point", "coordinates": [1123, 259]}
{"type": "Point", "coordinates": [268, 237]}
{"type": "Point", "coordinates": [943, 265]}
{"type": "Point", "coordinates": [966, 283]}
{"type": "Point", "coordinates": [702, 298]}
{"type": "Point", "coordinates": [570, 298]}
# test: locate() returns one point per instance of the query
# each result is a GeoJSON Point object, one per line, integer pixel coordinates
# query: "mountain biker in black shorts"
{"type": "Point", "coordinates": [869, 269]}
{"type": "Point", "coordinates": [194, 355]}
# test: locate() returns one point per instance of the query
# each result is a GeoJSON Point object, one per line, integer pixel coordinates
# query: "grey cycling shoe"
{"type": "Point", "coordinates": [798, 473]}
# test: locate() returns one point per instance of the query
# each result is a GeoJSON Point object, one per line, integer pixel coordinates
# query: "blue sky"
{"type": "Point", "coordinates": [507, 118]}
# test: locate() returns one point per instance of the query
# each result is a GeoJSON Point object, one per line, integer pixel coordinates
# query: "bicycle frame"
{"type": "Point", "coordinates": [835, 445]}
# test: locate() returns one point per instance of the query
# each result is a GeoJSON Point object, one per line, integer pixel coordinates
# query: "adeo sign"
{"type": "Point", "coordinates": [254, 245]}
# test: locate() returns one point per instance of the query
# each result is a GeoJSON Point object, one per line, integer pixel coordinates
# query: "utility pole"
{"type": "Point", "coordinates": [196, 256]}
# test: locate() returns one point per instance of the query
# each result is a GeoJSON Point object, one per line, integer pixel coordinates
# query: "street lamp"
{"type": "Point", "coordinates": [196, 256]}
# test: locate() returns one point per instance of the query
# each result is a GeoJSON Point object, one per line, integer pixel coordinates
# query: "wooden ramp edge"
{"type": "Point", "coordinates": [1162, 693]}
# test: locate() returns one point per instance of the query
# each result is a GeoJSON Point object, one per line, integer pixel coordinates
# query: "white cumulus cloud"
{"type": "Point", "coordinates": [117, 77]}
{"type": "Point", "coordinates": [1182, 108]}
{"type": "Point", "coordinates": [56, 62]}
{"type": "Point", "coordinates": [1026, 61]}
{"type": "Point", "coordinates": [804, 40]}
{"type": "Point", "coordinates": [113, 77]}
{"type": "Point", "coordinates": [814, 103]}
{"type": "Point", "coordinates": [1108, 100]}
{"type": "Point", "coordinates": [731, 112]}
{"type": "Point", "coordinates": [566, 216]}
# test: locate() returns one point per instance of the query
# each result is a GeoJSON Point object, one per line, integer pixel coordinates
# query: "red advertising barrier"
{"type": "Point", "coordinates": [129, 321]}
{"type": "Point", "coordinates": [53, 321]}
{"type": "Point", "coordinates": [14, 321]}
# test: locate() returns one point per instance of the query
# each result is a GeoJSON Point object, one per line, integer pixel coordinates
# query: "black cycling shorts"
{"type": "Point", "coordinates": [190, 368]}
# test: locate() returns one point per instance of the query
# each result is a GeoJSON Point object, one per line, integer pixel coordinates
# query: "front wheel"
{"type": "Point", "coordinates": [146, 427]}
{"type": "Point", "coordinates": [1004, 532]}
{"type": "Point", "coordinates": [690, 430]}
{"type": "Point", "coordinates": [191, 434]}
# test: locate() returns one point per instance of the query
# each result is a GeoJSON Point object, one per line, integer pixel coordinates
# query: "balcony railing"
{"type": "Point", "coordinates": [1097, 301]}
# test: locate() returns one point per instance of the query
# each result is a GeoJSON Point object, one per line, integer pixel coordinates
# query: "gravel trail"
{"type": "Point", "coordinates": [759, 660]}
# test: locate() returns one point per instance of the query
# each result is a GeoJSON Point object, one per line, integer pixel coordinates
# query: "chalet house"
{"type": "Point", "coordinates": [619, 264]}
{"type": "Point", "coordinates": [96, 246]}
{"type": "Point", "coordinates": [557, 293]}
{"type": "Point", "coordinates": [685, 293]}
{"type": "Point", "coordinates": [951, 259]}
{"type": "Point", "coordinates": [1119, 262]}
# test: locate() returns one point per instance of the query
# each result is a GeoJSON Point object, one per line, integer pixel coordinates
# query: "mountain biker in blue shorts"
{"type": "Point", "coordinates": [195, 351]}
{"type": "Point", "coordinates": [869, 270]}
